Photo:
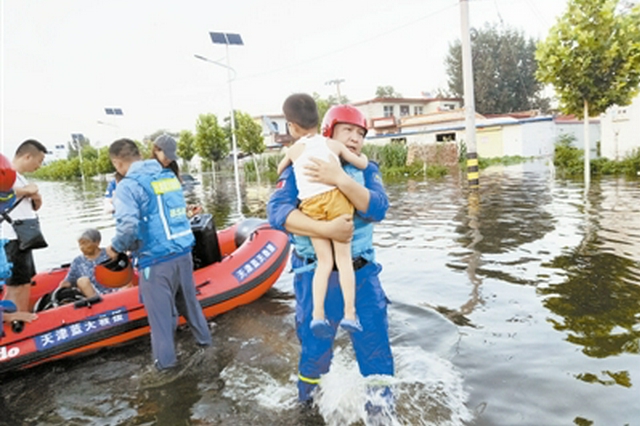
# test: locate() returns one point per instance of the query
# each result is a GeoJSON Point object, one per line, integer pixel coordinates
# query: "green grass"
{"type": "Point", "coordinates": [569, 161]}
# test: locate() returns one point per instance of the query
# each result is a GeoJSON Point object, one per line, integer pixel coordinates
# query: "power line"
{"type": "Point", "coordinates": [350, 46]}
{"type": "Point", "coordinates": [337, 82]}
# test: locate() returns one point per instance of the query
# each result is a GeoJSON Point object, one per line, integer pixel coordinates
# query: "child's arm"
{"type": "Point", "coordinates": [284, 163]}
{"type": "Point", "coordinates": [360, 161]}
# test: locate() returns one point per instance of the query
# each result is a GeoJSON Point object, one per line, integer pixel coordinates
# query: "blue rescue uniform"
{"type": "Point", "coordinates": [371, 346]}
{"type": "Point", "coordinates": [151, 221]}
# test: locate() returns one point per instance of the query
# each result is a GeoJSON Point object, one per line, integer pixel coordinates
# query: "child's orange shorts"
{"type": "Point", "coordinates": [327, 206]}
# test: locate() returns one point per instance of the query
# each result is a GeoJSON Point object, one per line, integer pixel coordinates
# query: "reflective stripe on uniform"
{"type": "Point", "coordinates": [308, 380]}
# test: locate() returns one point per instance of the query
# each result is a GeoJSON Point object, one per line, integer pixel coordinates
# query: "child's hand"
{"type": "Point", "coordinates": [193, 209]}
{"type": "Point", "coordinates": [327, 172]}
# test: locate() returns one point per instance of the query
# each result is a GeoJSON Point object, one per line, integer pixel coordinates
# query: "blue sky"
{"type": "Point", "coordinates": [63, 61]}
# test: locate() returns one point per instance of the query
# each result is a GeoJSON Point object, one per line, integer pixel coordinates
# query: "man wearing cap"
{"type": "Point", "coordinates": [151, 222]}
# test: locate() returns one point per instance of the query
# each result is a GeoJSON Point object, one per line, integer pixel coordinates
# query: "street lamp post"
{"type": "Point", "coordinates": [113, 112]}
{"type": "Point", "coordinates": [229, 39]}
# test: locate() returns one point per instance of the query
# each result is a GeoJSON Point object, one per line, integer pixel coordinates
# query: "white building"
{"type": "Point", "coordinates": [274, 129]}
{"type": "Point", "coordinates": [571, 125]}
{"type": "Point", "coordinates": [620, 127]}
{"type": "Point", "coordinates": [384, 114]}
{"type": "Point", "coordinates": [506, 135]}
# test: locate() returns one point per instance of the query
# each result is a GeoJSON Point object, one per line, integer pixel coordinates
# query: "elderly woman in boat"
{"type": "Point", "coordinates": [82, 270]}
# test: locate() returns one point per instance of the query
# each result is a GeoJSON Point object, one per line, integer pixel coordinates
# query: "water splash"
{"type": "Point", "coordinates": [428, 391]}
{"type": "Point", "coordinates": [254, 385]}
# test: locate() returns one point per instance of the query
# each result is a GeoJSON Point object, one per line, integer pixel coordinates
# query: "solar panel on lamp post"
{"type": "Point", "coordinates": [115, 112]}
{"type": "Point", "coordinates": [229, 39]}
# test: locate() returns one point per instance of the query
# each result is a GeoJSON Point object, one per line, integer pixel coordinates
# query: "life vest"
{"type": "Point", "coordinates": [362, 242]}
{"type": "Point", "coordinates": [5, 265]}
{"type": "Point", "coordinates": [164, 230]}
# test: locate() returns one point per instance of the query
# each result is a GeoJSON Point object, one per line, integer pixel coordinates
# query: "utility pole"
{"type": "Point", "coordinates": [469, 101]}
{"type": "Point", "coordinates": [77, 139]}
{"type": "Point", "coordinates": [337, 82]}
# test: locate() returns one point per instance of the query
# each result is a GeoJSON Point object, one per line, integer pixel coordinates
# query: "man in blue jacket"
{"type": "Point", "coordinates": [151, 221]}
{"type": "Point", "coordinates": [366, 192]}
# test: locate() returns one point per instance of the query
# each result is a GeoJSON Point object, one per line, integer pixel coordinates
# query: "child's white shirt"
{"type": "Point", "coordinates": [316, 147]}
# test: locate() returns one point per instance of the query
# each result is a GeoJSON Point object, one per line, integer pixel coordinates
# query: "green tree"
{"type": "Point", "coordinates": [145, 147]}
{"type": "Point", "coordinates": [186, 146]}
{"type": "Point", "coordinates": [249, 137]}
{"type": "Point", "coordinates": [72, 148]}
{"type": "Point", "coordinates": [592, 58]}
{"type": "Point", "coordinates": [210, 141]}
{"type": "Point", "coordinates": [504, 70]}
{"type": "Point", "coordinates": [324, 104]}
{"type": "Point", "coordinates": [153, 136]}
{"type": "Point", "coordinates": [89, 153]}
{"type": "Point", "coordinates": [387, 92]}
{"type": "Point", "coordinates": [103, 162]}
{"type": "Point", "coordinates": [248, 134]}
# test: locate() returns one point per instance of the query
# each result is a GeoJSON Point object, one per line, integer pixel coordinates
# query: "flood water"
{"type": "Point", "coordinates": [520, 306]}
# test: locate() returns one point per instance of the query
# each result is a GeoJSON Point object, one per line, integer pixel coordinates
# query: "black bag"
{"type": "Point", "coordinates": [28, 231]}
{"type": "Point", "coordinates": [29, 234]}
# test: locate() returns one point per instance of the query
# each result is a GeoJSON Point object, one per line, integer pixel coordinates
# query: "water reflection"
{"type": "Point", "coordinates": [512, 212]}
{"type": "Point", "coordinates": [599, 301]}
{"type": "Point", "coordinates": [472, 285]}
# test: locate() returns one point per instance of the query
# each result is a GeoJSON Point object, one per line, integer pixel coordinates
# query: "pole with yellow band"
{"type": "Point", "coordinates": [469, 101]}
{"type": "Point", "coordinates": [473, 174]}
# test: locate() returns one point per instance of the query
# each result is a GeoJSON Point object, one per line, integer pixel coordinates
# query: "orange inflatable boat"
{"type": "Point", "coordinates": [238, 268]}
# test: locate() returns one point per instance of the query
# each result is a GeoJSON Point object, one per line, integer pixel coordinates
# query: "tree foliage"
{"type": "Point", "coordinates": [153, 136]}
{"type": "Point", "coordinates": [72, 148]}
{"type": "Point", "coordinates": [592, 56]}
{"type": "Point", "coordinates": [186, 145]}
{"type": "Point", "coordinates": [210, 141]}
{"type": "Point", "coordinates": [323, 104]}
{"type": "Point", "coordinates": [248, 134]}
{"type": "Point", "coordinates": [387, 92]}
{"type": "Point", "coordinates": [94, 162]}
{"type": "Point", "coordinates": [504, 68]}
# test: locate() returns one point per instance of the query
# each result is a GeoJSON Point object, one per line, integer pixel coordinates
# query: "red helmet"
{"type": "Point", "coordinates": [115, 273]}
{"type": "Point", "coordinates": [7, 174]}
{"type": "Point", "coordinates": [342, 114]}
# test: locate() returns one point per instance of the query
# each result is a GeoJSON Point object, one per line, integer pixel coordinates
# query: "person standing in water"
{"type": "Point", "coordinates": [364, 189]}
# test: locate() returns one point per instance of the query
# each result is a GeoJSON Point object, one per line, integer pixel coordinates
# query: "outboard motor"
{"type": "Point", "coordinates": [207, 249]}
{"type": "Point", "coordinates": [248, 227]}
